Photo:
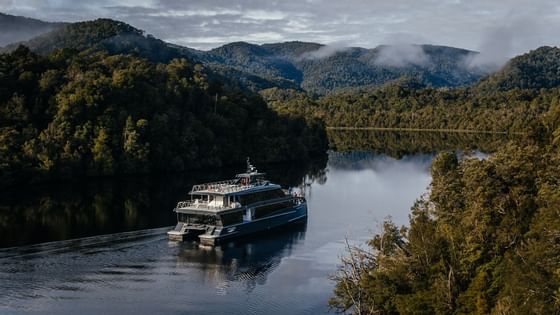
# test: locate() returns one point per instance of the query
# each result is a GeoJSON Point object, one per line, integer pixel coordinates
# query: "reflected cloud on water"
{"type": "Point", "coordinates": [248, 260]}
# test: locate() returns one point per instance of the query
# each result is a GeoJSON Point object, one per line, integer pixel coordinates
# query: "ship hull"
{"type": "Point", "coordinates": [296, 215]}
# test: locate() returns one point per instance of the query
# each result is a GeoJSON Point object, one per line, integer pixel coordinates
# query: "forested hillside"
{"type": "Point", "coordinates": [512, 100]}
{"type": "Point", "coordinates": [486, 238]}
{"type": "Point", "coordinates": [315, 68]}
{"type": "Point", "coordinates": [320, 69]}
{"type": "Point", "coordinates": [71, 114]}
{"type": "Point", "coordinates": [102, 34]}
{"type": "Point", "coordinates": [120, 38]}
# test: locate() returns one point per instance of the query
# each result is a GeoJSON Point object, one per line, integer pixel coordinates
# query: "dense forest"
{"type": "Point", "coordinates": [71, 114]}
{"type": "Point", "coordinates": [397, 106]}
{"type": "Point", "coordinates": [512, 100]}
{"type": "Point", "coordinates": [486, 238]}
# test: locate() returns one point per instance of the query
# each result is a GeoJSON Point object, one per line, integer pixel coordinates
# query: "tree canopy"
{"type": "Point", "coordinates": [485, 240]}
{"type": "Point", "coordinates": [91, 113]}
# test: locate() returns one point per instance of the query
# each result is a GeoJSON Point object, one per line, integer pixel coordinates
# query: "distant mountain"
{"type": "Point", "coordinates": [323, 69]}
{"type": "Point", "coordinates": [120, 38]}
{"type": "Point", "coordinates": [315, 68]}
{"type": "Point", "coordinates": [19, 28]}
{"type": "Point", "coordinates": [256, 60]}
{"type": "Point", "coordinates": [537, 69]}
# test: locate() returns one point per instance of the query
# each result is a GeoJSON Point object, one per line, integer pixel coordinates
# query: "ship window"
{"type": "Point", "coordinates": [261, 196]}
{"type": "Point", "coordinates": [272, 209]}
{"type": "Point", "coordinates": [196, 218]}
{"type": "Point", "coordinates": [232, 218]}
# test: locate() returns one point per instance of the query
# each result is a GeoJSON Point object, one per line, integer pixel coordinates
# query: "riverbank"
{"type": "Point", "coordinates": [426, 130]}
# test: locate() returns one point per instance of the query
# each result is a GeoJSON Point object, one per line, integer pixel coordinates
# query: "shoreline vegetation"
{"type": "Point", "coordinates": [486, 238]}
{"type": "Point", "coordinates": [75, 114]}
{"type": "Point", "coordinates": [425, 130]}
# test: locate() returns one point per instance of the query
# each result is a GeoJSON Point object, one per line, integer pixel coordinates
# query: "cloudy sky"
{"type": "Point", "coordinates": [499, 28]}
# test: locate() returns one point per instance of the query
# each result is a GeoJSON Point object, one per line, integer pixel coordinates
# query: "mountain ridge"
{"type": "Point", "coordinates": [315, 68]}
{"type": "Point", "coordinates": [321, 69]}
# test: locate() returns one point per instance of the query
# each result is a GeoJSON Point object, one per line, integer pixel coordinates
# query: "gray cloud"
{"type": "Point", "coordinates": [204, 24]}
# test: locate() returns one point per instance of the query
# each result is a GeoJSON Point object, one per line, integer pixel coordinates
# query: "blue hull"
{"type": "Point", "coordinates": [297, 215]}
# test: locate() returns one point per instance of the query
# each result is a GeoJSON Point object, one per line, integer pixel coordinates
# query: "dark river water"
{"type": "Point", "coordinates": [101, 247]}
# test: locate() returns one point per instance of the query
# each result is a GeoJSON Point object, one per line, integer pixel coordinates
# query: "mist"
{"type": "Point", "coordinates": [401, 55]}
{"type": "Point", "coordinates": [19, 29]}
{"type": "Point", "coordinates": [504, 40]}
{"type": "Point", "coordinates": [400, 51]}
{"type": "Point", "coordinates": [326, 51]}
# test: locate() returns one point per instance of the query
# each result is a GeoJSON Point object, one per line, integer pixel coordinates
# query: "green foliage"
{"type": "Point", "coordinates": [515, 99]}
{"type": "Point", "coordinates": [103, 35]}
{"type": "Point", "coordinates": [72, 114]}
{"type": "Point", "coordinates": [295, 65]}
{"type": "Point", "coordinates": [102, 155]}
{"type": "Point", "coordinates": [80, 36]}
{"type": "Point", "coordinates": [485, 241]}
{"type": "Point", "coordinates": [537, 69]}
{"type": "Point", "coordinates": [398, 106]}
{"type": "Point", "coordinates": [486, 238]}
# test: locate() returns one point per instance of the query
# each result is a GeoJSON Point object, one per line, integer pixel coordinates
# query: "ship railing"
{"type": "Point", "coordinates": [231, 185]}
{"type": "Point", "coordinates": [196, 203]}
{"type": "Point", "coordinates": [215, 185]}
{"type": "Point", "coordinates": [200, 204]}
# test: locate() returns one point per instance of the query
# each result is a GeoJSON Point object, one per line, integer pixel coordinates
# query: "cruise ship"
{"type": "Point", "coordinates": [244, 205]}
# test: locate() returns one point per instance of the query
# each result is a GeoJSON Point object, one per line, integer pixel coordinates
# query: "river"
{"type": "Point", "coordinates": [100, 247]}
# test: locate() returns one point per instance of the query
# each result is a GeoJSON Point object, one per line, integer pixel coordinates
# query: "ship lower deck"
{"type": "Point", "coordinates": [212, 235]}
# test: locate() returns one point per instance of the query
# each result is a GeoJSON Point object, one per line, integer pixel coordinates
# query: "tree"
{"type": "Point", "coordinates": [104, 163]}
{"type": "Point", "coordinates": [136, 151]}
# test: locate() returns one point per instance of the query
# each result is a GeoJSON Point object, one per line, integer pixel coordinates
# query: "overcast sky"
{"type": "Point", "coordinates": [499, 28]}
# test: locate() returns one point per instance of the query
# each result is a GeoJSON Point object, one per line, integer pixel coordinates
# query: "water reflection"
{"type": "Point", "coordinates": [249, 260]}
{"type": "Point", "coordinates": [143, 272]}
{"type": "Point", "coordinates": [401, 143]}
{"type": "Point", "coordinates": [43, 213]}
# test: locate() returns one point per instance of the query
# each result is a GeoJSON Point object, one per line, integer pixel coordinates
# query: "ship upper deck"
{"type": "Point", "coordinates": [251, 180]}
{"type": "Point", "coordinates": [225, 195]}
{"type": "Point", "coordinates": [231, 187]}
